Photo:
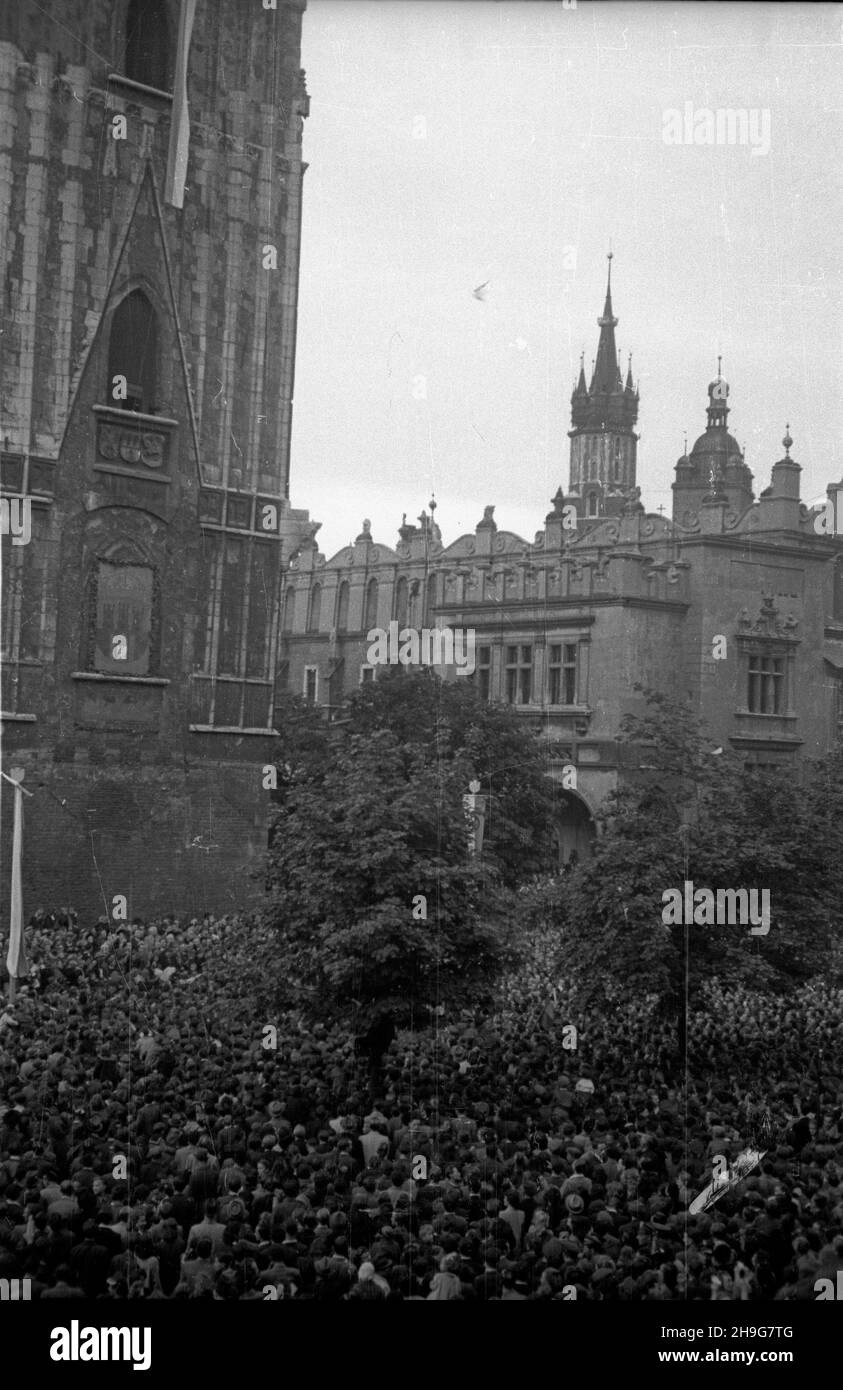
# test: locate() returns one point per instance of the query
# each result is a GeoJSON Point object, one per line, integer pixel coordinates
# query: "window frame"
{"type": "Point", "coordinates": [762, 682]}
{"type": "Point", "coordinates": [563, 674]}
{"type": "Point", "coordinates": [150, 387]}
{"type": "Point", "coordinates": [516, 670]}
{"type": "Point", "coordinates": [89, 654]}
{"type": "Point", "coordinates": [483, 671]}
{"type": "Point", "coordinates": [310, 670]}
{"type": "Point", "coordinates": [162, 13]}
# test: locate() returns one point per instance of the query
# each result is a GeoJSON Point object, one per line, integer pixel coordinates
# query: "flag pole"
{"type": "Point", "coordinates": [16, 958]}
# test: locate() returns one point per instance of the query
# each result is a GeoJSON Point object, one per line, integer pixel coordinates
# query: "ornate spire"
{"type": "Point", "coordinates": [606, 374]}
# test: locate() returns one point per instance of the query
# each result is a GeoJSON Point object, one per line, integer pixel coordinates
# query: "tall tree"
{"type": "Point", "coordinates": [377, 902]}
{"type": "Point", "coordinates": [688, 811]}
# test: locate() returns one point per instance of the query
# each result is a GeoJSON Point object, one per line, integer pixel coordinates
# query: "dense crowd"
{"type": "Point", "coordinates": [159, 1140]}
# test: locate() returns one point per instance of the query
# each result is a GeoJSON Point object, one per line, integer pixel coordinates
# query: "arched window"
{"type": "Point", "coordinates": [342, 606]}
{"type": "Point", "coordinates": [370, 618]}
{"type": "Point", "coordinates": [133, 355]}
{"type": "Point", "coordinates": [314, 608]}
{"type": "Point", "coordinates": [592, 504]}
{"type": "Point", "coordinates": [148, 43]}
{"type": "Point", "coordinates": [401, 602]}
{"type": "Point", "coordinates": [289, 609]}
{"type": "Point", "coordinates": [616, 471]}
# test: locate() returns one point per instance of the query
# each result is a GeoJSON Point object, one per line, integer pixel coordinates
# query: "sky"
{"type": "Point", "coordinates": [460, 144]}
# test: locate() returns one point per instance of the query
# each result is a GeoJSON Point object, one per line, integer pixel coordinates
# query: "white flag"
{"type": "Point", "coordinates": [180, 124]}
{"type": "Point", "coordinates": [16, 962]}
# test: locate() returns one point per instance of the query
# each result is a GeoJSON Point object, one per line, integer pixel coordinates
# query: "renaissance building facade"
{"type": "Point", "coordinates": [735, 602]}
{"type": "Point", "coordinates": [151, 180]}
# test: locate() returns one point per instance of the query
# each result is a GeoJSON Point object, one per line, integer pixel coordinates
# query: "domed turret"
{"type": "Point", "coordinates": [715, 466]}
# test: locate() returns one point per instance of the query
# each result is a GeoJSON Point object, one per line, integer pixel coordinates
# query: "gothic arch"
{"type": "Point", "coordinates": [314, 608]}
{"type": "Point", "coordinates": [370, 619]}
{"type": "Point", "coordinates": [134, 352]}
{"type": "Point", "coordinates": [574, 828]}
{"type": "Point", "coordinates": [343, 594]}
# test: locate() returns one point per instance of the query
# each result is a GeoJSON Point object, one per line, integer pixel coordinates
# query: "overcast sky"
{"type": "Point", "coordinates": [452, 144]}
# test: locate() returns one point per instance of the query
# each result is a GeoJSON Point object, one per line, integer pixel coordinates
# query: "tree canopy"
{"type": "Point", "coordinates": [376, 898]}
{"type": "Point", "coordinates": [692, 812]}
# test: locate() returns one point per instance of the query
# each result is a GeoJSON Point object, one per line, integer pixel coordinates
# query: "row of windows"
{"type": "Point", "coordinates": [405, 593]}
{"type": "Point", "coordinates": [591, 467]}
{"type": "Point", "coordinates": [765, 690]}
{"type": "Point", "coordinates": [561, 674]}
{"type": "Point", "coordinates": [519, 685]}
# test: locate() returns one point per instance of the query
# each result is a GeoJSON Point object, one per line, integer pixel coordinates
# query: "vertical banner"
{"type": "Point", "coordinates": [180, 124]}
{"type": "Point", "coordinates": [16, 962]}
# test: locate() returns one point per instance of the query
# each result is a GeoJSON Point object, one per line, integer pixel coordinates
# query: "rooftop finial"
{"type": "Point", "coordinates": [787, 441]}
{"type": "Point", "coordinates": [719, 360]}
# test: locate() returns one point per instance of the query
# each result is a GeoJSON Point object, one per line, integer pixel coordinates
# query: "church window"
{"type": "Point", "coordinates": [592, 504]}
{"type": "Point", "coordinates": [342, 606]}
{"type": "Point", "coordinates": [371, 616]}
{"type": "Point", "coordinates": [147, 43]}
{"type": "Point", "coordinates": [315, 608]}
{"type": "Point", "coordinates": [133, 354]}
{"type": "Point", "coordinates": [289, 609]}
{"type": "Point", "coordinates": [123, 636]}
{"type": "Point", "coordinates": [401, 602]}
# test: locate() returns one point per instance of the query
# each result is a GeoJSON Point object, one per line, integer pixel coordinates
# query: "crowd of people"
{"type": "Point", "coordinates": [165, 1132]}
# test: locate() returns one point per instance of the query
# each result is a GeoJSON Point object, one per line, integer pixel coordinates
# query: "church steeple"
{"type": "Point", "coordinates": [606, 372]}
{"type": "Point", "coordinates": [603, 416]}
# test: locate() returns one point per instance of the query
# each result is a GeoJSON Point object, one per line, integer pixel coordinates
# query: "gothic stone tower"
{"type": "Point", "coordinates": [603, 438]}
{"type": "Point", "coordinates": [151, 171]}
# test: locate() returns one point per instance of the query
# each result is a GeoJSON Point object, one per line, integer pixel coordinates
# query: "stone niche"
{"type": "Point", "coordinates": [115, 702]}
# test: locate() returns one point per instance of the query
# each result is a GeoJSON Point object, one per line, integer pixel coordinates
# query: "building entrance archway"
{"type": "Point", "coordinates": [574, 828]}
